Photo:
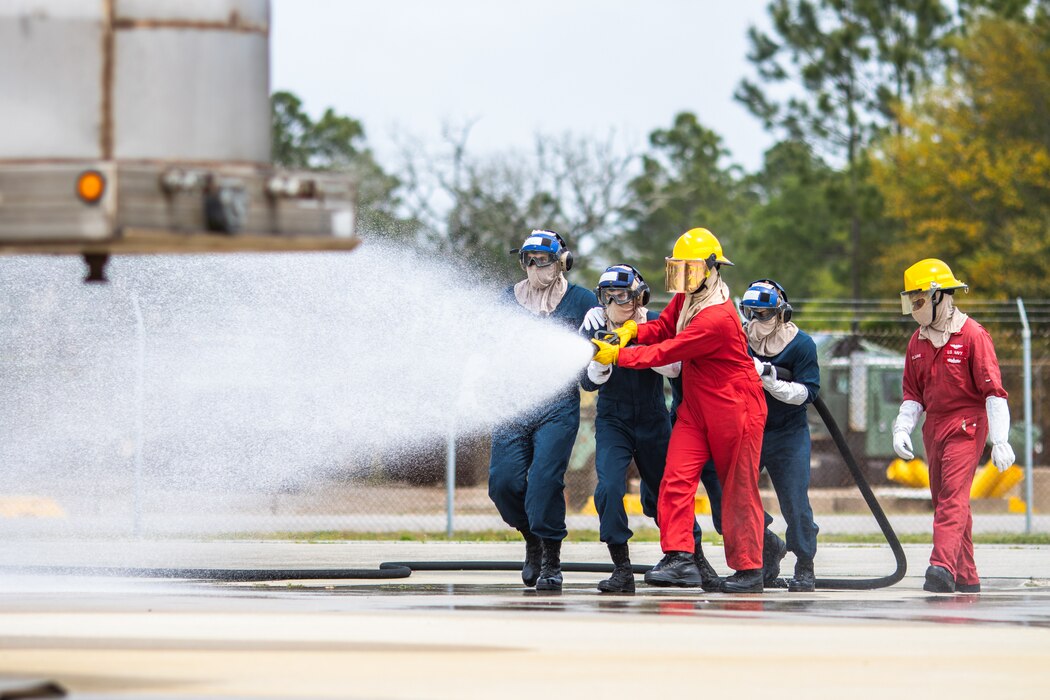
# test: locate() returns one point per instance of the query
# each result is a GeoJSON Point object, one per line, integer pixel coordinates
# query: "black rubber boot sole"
{"type": "Point", "coordinates": [548, 584]}
{"type": "Point", "coordinates": [607, 586]}
{"type": "Point", "coordinates": [664, 580]}
{"type": "Point", "coordinates": [750, 584]}
{"type": "Point", "coordinates": [938, 580]}
{"type": "Point", "coordinates": [967, 587]}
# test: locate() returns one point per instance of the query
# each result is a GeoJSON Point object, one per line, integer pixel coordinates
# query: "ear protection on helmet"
{"type": "Point", "coordinates": [564, 254]}
{"type": "Point", "coordinates": [785, 308]}
{"type": "Point", "coordinates": [643, 289]}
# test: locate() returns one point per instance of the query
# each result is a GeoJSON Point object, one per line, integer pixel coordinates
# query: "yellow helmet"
{"type": "Point", "coordinates": [695, 252]}
{"type": "Point", "coordinates": [927, 276]}
{"type": "Point", "coordinates": [698, 244]}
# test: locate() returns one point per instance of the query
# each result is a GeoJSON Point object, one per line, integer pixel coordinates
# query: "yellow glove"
{"type": "Point", "coordinates": [627, 332]}
{"type": "Point", "coordinates": [607, 353]}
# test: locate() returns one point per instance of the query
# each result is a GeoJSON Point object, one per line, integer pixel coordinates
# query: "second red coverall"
{"type": "Point", "coordinates": [722, 416]}
{"type": "Point", "coordinates": [951, 383]}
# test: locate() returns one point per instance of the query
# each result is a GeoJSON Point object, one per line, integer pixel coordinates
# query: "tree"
{"type": "Point", "coordinates": [479, 207]}
{"type": "Point", "coordinates": [797, 232]}
{"type": "Point", "coordinates": [337, 143]}
{"type": "Point", "coordinates": [969, 179]}
{"type": "Point", "coordinates": [856, 60]}
{"type": "Point", "coordinates": [683, 185]}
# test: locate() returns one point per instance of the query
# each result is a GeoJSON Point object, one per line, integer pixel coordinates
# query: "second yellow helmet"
{"type": "Point", "coordinates": [928, 274]}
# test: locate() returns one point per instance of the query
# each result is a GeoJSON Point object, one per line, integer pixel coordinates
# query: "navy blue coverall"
{"type": "Point", "coordinates": [786, 446]}
{"type": "Point", "coordinates": [631, 423]}
{"type": "Point", "coordinates": [530, 454]}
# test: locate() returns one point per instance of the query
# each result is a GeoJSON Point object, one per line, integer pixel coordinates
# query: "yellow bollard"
{"type": "Point", "coordinates": [632, 504]}
{"type": "Point", "coordinates": [984, 481]}
{"type": "Point", "coordinates": [1016, 505]}
{"type": "Point", "coordinates": [912, 473]}
{"type": "Point", "coordinates": [1006, 481]}
{"type": "Point", "coordinates": [920, 473]}
{"type": "Point", "coordinates": [701, 505]}
{"type": "Point", "coordinates": [898, 471]}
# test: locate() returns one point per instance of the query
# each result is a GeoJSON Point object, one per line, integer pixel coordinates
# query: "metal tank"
{"type": "Point", "coordinates": [141, 126]}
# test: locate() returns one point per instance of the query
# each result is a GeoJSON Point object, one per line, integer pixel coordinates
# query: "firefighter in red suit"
{"type": "Point", "coordinates": [950, 373]}
{"type": "Point", "coordinates": [722, 415]}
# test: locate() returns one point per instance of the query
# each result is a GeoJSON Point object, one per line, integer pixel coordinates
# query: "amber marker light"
{"type": "Point", "coordinates": [91, 185]}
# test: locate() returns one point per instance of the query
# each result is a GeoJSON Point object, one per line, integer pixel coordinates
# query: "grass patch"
{"type": "Point", "coordinates": [640, 535]}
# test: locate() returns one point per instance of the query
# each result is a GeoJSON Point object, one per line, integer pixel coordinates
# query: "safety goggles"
{"type": "Point", "coordinates": [537, 258]}
{"type": "Point", "coordinates": [752, 313]}
{"type": "Point", "coordinates": [616, 295]}
{"type": "Point", "coordinates": [684, 276]}
{"type": "Point", "coordinates": [915, 301]}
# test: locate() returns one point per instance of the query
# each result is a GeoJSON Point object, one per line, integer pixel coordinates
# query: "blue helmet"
{"type": "Point", "coordinates": [543, 248]}
{"type": "Point", "coordinates": [763, 300]}
{"type": "Point", "coordinates": [621, 284]}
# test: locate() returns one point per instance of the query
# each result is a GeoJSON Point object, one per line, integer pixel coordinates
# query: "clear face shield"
{"type": "Point", "coordinates": [684, 276]}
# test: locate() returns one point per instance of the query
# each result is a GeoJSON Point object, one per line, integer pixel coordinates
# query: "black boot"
{"type": "Point", "coordinates": [744, 581]}
{"type": "Point", "coordinates": [622, 579]}
{"type": "Point", "coordinates": [773, 551]}
{"type": "Point", "coordinates": [530, 571]}
{"type": "Point", "coordinates": [939, 580]}
{"type": "Point", "coordinates": [804, 580]}
{"type": "Point", "coordinates": [550, 566]}
{"type": "Point", "coordinates": [710, 581]}
{"type": "Point", "coordinates": [961, 587]}
{"type": "Point", "coordinates": [675, 569]}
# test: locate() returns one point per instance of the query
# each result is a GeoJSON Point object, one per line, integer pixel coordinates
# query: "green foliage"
{"type": "Point", "coordinates": [798, 236]}
{"type": "Point", "coordinates": [969, 179]}
{"type": "Point", "coordinates": [683, 185]}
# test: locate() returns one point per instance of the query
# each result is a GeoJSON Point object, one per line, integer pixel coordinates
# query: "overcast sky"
{"type": "Point", "coordinates": [519, 67]}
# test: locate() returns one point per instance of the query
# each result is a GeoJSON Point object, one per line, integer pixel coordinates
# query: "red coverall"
{"type": "Point", "coordinates": [952, 383]}
{"type": "Point", "coordinates": [722, 416]}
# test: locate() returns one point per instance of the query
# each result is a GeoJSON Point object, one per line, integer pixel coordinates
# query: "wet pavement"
{"type": "Point", "coordinates": [467, 634]}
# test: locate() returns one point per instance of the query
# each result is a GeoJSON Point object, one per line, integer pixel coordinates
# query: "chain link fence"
{"type": "Point", "coordinates": [116, 486]}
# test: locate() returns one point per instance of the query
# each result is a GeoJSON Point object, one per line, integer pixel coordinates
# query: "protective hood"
{"type": "Point", "coordinates": [948, 320]}
{"type": "Point", "coordinates": [714, 291]}
{"type": "Point", "coordinates": [617, 314]}
{"type": "Point", "coordinates": [542, 290]}
{"type": "Point", "coordinates": [769, 338]}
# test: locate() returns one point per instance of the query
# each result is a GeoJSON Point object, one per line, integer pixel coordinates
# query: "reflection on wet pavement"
{"type": "Point", "coordinates": [1009, 605]}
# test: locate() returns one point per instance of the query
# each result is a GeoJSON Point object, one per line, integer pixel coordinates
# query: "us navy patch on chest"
{"type": "Point", "coordinates": [956, 353]}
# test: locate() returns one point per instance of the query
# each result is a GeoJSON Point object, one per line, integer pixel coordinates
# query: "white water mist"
{"type": "Point", "coordinates": [257, 371]}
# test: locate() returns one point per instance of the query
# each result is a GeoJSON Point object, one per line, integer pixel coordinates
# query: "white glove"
{"type": "Point", "coordinates": [902, 445]}
{"type": "Point", "coordinates": [765, 369]}
{"type": "Point", "coordinates": [670, 371]}
{"type": "Point", "coordinates": [594, 320]}
{"type": "Point", "coordinates": [598, 373]}
{"type": "Point", "coordinates": [998, 431]}
{"type": "Point", "coordinates": [907, 417]}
